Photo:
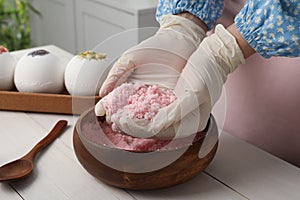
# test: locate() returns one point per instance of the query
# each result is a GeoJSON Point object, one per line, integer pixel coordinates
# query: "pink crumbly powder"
{"type": "Point", "coordinates": [3, 49]}
{"type": "Point", "coordinates": [142, 102]}
{"type": "Point", "coordinates": [138, 101]}
{"type": "Point", "coordinates": [103, 134]}
{"type": "Point", "coordinates": [147, 101]}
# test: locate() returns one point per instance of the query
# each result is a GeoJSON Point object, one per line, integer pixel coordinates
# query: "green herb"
{"type": "Point", "coordinates": [14, 23]}
{"type": "Point", "coordinates": [91, 55]}
{"type": "Point", "coordinates": [40, 52]}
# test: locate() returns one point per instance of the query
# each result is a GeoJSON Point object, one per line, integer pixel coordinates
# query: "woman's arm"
{"type": "Point", "coordinates": [194, 19]}
{"type": "Point", "coordinates": [208, 11]}
{"type": "Point", "coordinates": [271, 28]}
{"type": "Point", "coordinates": [243, 44]}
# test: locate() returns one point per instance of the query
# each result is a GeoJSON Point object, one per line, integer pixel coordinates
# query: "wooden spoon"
{"type": "Point", "coordinates": [22, 167]}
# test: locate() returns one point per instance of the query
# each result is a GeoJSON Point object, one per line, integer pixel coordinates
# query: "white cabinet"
{"type": "Point", "coordinates": [78, 25]}
{"type": "Point", "coordinates": [56, 25]}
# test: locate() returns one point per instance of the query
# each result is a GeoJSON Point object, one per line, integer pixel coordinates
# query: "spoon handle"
{"type": "Point", "coordinates": [52, 135]}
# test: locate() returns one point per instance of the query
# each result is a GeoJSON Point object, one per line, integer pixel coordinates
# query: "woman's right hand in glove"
{"type": "Point", "coordinates": [157, 60]}
{"type": "Point", "coordinates": [197, 90]}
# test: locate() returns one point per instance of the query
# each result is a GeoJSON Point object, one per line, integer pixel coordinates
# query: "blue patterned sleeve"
{"type": "Point", "coordinates": [272, 28]}
{"type": "Point", "coordinates": [207, 10]}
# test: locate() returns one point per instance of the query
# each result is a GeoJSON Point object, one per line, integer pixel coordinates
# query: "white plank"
{"type": "Point", "coordinates": [48, 120]}
{"type": "Point", "coordinates": [253, 172]}
{"type": "Point", "coordinates": [201, 187]}
{"type": "Point", "coordinates": [57, 175]}
{"type": "Point", "coordinates": [7, 193]}
{"type": "Point", "coordinates": [16, 135]}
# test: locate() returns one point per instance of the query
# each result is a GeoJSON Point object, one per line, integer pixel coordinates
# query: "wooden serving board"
{"type": "Point", "coordinates": [46, 103]}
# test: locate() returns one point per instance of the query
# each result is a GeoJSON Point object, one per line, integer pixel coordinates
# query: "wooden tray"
{"type": "Point", "coordinates": [46, 103]}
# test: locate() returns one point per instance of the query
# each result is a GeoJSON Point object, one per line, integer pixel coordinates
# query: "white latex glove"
{"type": "Point", "coordinates": [157, 60]}
{"type": "Point", "coordinates": [197, 90]}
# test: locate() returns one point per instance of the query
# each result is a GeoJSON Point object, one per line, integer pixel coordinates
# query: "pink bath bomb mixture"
{"type": "Point", "coordinates": [3, 49]}
{"type": "Point", "coordinates": [137, 101]}
{"type": "Point", "coordinates": [102, 134]}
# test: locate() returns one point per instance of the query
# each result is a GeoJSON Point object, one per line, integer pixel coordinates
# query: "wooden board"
{"type": "Point", "coordinates": [46, 103]}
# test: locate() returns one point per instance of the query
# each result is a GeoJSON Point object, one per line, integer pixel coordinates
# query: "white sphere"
{"type": "Point", "coordinates": [39, 72]}
{"type": "Point", "coordinates": [85, 73]}
{"type": "Point", "coordinates": [7, 69]}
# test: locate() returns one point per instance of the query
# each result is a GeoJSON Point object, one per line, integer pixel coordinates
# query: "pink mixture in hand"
{"type": "Point", "coordinates": [137, 101]}
{"type": "Point", "coordinates": [102, 134]}
{"type": "Point", "coordinates": [3, 49]}
{"type": "Point", "coordinates": [147, 101]}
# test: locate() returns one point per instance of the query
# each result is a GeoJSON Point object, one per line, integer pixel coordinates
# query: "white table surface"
{"type": "Point", "coordinates": [238, 171]}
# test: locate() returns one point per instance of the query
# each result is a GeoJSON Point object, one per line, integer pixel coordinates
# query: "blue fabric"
{"type": "Point", "coordinates": [272, 28]}
{"type": "Point", "coordinates": [208, 11]}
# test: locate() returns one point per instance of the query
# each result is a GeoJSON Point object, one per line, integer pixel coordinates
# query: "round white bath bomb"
{"type": "Point", "coordinates": [7, 69]}
{"type": "Point", "coordinates": [85, 73]}
{"type": "Point", "coordinates": [39, 72]}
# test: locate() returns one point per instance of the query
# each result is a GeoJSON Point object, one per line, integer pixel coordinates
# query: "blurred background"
{"type": "Point", "coordinates": [74, 25]}
{"type": "Point", "coordinates": [14, 23]}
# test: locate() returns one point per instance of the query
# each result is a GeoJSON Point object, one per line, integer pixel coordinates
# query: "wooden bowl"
{"type": "Point", "coordinates": [140, 170]}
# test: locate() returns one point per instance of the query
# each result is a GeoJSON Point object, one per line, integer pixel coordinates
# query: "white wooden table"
{"type": "Point", "coordinates": [239, 170]}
